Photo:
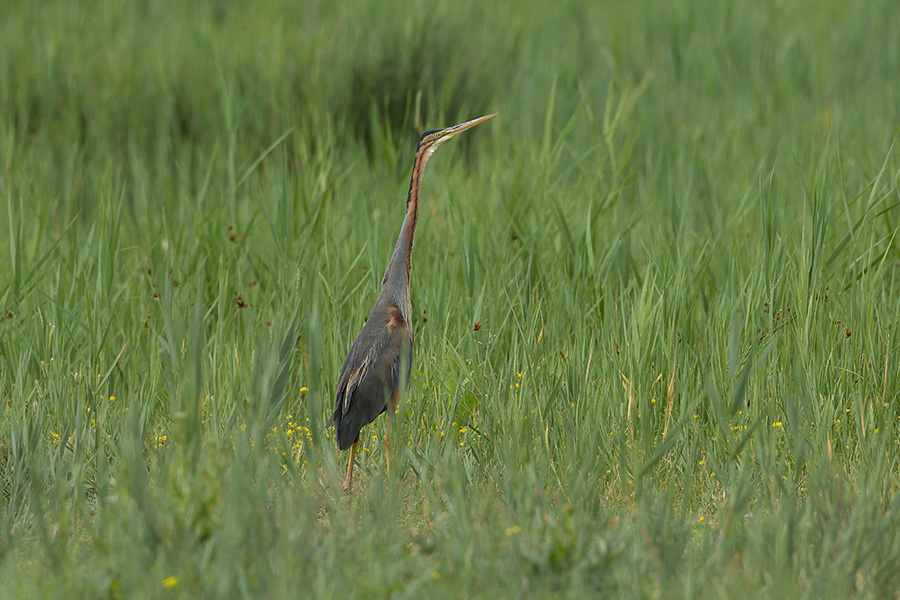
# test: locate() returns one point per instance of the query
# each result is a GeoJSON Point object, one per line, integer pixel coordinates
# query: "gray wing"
{"type": "Point", "coordinates": [370, 374]}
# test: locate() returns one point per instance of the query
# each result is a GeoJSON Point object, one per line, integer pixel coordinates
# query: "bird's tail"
{"type": "Point", "coordinates": [346, 430]}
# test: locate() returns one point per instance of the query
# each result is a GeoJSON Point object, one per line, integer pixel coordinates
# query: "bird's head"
{"type": "Point", "coordinates": [430, 140]}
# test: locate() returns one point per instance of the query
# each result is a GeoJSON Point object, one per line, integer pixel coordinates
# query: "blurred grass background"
{"type": "Point", "coordinates": [657, 352]}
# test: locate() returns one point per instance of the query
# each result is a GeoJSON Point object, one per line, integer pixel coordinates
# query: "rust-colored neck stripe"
{"type": "Point", "coordinates": [412, 201]}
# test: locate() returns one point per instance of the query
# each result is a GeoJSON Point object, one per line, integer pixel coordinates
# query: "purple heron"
{"type": "Point", "coordinates": [370, 378]}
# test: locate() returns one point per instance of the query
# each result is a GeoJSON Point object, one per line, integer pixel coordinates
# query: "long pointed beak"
{"type": "Point", "coordinates": [468, 124]}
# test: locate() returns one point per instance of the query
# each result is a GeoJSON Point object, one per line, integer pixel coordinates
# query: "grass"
{"type": "Point", "coordinates": [656, 299]}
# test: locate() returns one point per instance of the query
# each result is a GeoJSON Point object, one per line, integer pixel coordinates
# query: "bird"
{"type": "Point", "coordinates": [381, 355]}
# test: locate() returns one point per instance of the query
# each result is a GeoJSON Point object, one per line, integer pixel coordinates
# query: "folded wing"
{"type": "Point", "coordinates": [371, 373]}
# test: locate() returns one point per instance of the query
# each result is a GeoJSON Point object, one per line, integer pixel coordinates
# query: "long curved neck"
{"type": "Point", "coordinates": [395, 284]}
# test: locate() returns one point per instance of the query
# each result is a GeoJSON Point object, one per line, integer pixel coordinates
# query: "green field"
{"type": "Point", "coordinates": [656, 300]}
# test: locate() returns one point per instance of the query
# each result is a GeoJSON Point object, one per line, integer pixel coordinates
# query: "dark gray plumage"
{"type": "Point", "coordinates": [370, 378]}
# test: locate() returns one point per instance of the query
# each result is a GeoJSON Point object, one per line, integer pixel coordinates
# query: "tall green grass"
{"type": "Point", "coordinates": [656, 299]}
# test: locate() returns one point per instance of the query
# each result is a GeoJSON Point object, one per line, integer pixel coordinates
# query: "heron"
{"type": "Point", "coordinates": [381, 355]}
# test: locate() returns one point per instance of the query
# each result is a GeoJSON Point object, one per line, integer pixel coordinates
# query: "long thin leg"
{"type": "Point", "coordinates": [350, 467]}
{"type": "Point", "coordinates": [387, 443]}
{"type": "Point", "coordinates": [391, 411]}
